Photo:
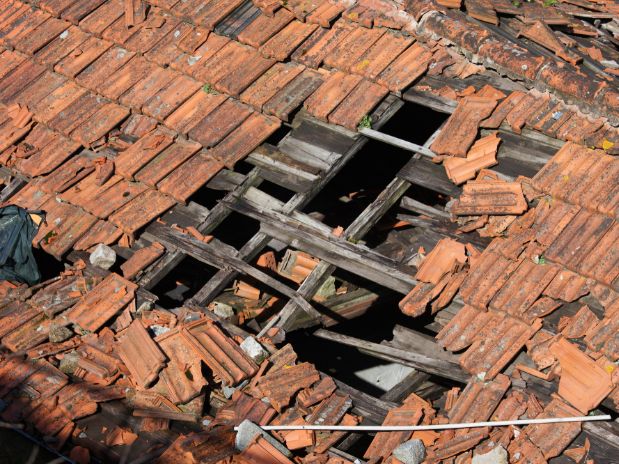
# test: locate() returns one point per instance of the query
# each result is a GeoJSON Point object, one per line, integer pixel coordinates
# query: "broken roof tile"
{"type": "Point", "coordinates": [444, 257]}
{"type": "Point", "coordinates": [490, 197]}
{"type": "Point", "coordinates": [460, 131]}
{"type": "Point", "coordinates": [479, 399]}
{"type": "Point", "coordinates": [140, 354]}
{"type": "Point", "coordinates": [100, 232]}
{"type": "Point", "coordinates": [131, 160]}
{"type": "Point", "coordinates": [579, 324]}
{"type": "Point", "coordinates": [583, 383]}
{"type": "Point", "coordinates": [279, 388]}
{"type": "Point", "coordinates": [82, 56]}
{"type": "Point", "coordinates": [226, 359]}
{"type": "Point", "coordinates": [385, 442]}
{"type": "Point", "coordinates": [182, 360]}
{"type": "Point", "coordinates": [567, 286]}
{"type": "Point", "coordinates": [553, 439]}
{"type": "Point", "coordinates": [481, 155]}
{"type": "Point", "coordinates": [99, 124]}
{"type": "Point", "coordinates": [102, 303]}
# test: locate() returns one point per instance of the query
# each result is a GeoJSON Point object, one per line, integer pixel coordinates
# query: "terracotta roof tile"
{"type": "Point", "coordinates": [380, 55]}
{"type": "Point", "coordinates": [570, 82]}
{"type": "Point", "coordinates": [135, 71]}
{"type": "Point", "coordinates": [141, 259]}
{"type": "Point", "coordinates": [185, 180]}
{"type": "Point", "coordinates": [490, 353]}
{"type": "Point", "coordinates": [182, 358]}
{"type": "Point", "coordinates": [461, 330]}
{"type": "Point", "coordinates": [119, 33]}
{"type": "Point", "coordinates": [18, 79]}
{"type": "Point", "coordinates": [282, 44]}
{"type": "Point", "coordinates": [217, 56]}
{"type": "Point", "coordinates": [148, 87]}
{"type": "Point", "coordinates": [101, 232]}
{"type": "Point", "coordinates": [359, 103]}
{"type": "Point", "coordinates": [481, 155]}
{"type": "Point", "coordinates": [131, 160]}
{"type": "Point", "coordinates": [585, 230]}
{"type": "Point", "coordinates": [224, 357]}
{"type": "Point", "coordinates": [215, 11]}
{"type": "Point", "coordinates": [102, 303]}
{"type": "Point", "coordinates": [14, 371]}
{"type": "Point", "coordinates": [486, 277]}
{"type": "Point", "coordinates": [23, 25]}
{"type": "Point", "coordinates": [194, 63]}
{"type": "Point", "coordinates": [479, 400]}
{"type": "Point", "coordinates": [140, 354]}
{"type": "Point", "coordinates": [524, 286]}
{"type": "Point", "coordinates": [79, 10]}
{"type": "Point", "coordinates": [490, 197]}
{"type": "Point", "coordinates": [166, 161]}
{"type": "Point", "coordinates": [101, 18]}
{"type": "Point", "coordinates": [292, 96]}
{"type": "Point", "coordinates": [552, 440]}
{"type": "Point", "coordinates": [566, 286]}
{"type": "Point", "coordinates": [69, 224]}
{"type": "Point", "coordinates": [279, 388]}
{"type": "Point", "coordinates": [321, 43]}
{"type": "Point", "coordinates": [222, 121]}
{"type": "Point", "coordinates": [9, 61]}
{"type": "Point", "coordinates": [460, 131]}
{"type": "Point", "coordinates": [444, 257]}
{"type": "Point", "coordinates": [141, 210]}
{"type": "Point", "coordinates": [76, 113]}
{"type": "Point", "coordinates": [584, 384]}
{"type": "Point", "coordinates": [264, 27]}
{"type": "Point", "coordinates": [325, 14]}
{"type": "Point", "coordinates": [99, 124]}
{"type": "Point", "coordinates": [270, 83]}
{"type": "Point", "coordinates": [167, 49]}
{"type": "Point", "coordinates": [603, 337]}
{"type": "Point", "coordinates": [41, 35]}
{"type": "Point", "coordinates": [551, 219]}
{"type": "Point", "coordinates": [192, 38]}
{"type": "Point", "coordinates": [81, 57]}
{"type": "Point", "coordinates": [406, 68]}
{"type": "Point", "coordinates": [151, 33]}
{"type": "Point", "coordinates": [70, 173]}
{"type": "Point", "coordinates": [384, 442]}
{"type": "Point", "coordinates": [243, 72]}
{"type": "Point", "coordinates": [240, 143]}
{"type": "Point", "coordinates": [196, 108]}
{"type": "Point", "coordinates": [579, 324]}
{"type": "Point", "coordinates": [48, 157]}
{"type": "Point", "coordinates": [352, 48]}
{"type": "Point", "coordinates": [330, 94]}
{"type": "Point", "coordinates": [55, 102]}
{"type": "Point", "coordinates": [168, 99]}
{"type": "Point", "coordinates": [321, 390]}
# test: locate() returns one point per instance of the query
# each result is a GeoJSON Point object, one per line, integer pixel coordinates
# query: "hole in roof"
{"type": "Point", "coordinates": [414, 123]}
{"type": "Point", "coordinates": [183, 282]}
{"type": "Point", "coordinates": [49, 267]}
{"type": "Point", "coordinates": [236, 230]}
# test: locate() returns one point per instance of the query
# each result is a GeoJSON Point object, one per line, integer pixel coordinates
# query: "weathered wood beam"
{"type": "Point", "coordinates": [397, 142]}
{"type": "Point", "coordinates": [431, 365]}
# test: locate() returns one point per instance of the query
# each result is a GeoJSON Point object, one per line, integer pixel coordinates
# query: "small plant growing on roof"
{"type": "Point", "coordinates": [366, 122]}
{"type": "Point", "coordinates": [550, 2]}
{"type": "Point", "coordinates": [516, 3]}
{"type": "Point", "coordinates": [208, 88]}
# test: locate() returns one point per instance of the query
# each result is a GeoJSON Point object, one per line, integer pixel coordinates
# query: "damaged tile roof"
{"type": "Point", "coordinates": [113, 114]}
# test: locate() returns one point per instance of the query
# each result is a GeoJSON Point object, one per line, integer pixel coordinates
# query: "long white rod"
{"type": "Point", "coordinates": [415, 428]}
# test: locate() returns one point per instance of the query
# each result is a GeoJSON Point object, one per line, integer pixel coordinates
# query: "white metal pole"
{"type": "Point", "coordinates": [415, 428]}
